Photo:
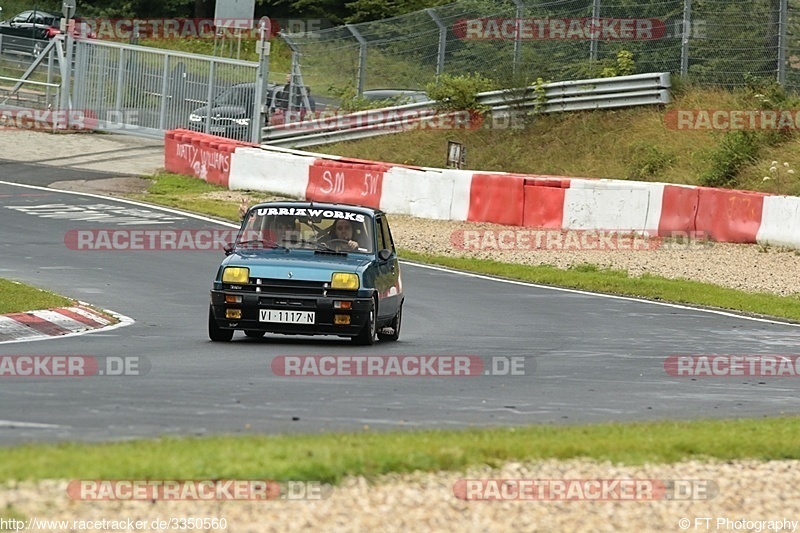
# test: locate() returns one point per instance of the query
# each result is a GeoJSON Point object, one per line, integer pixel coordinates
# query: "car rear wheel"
{"type": "Point", "coordinates": [395, 325]}
{"type": "Point", "coordinates": [367, 335]}
{"type": "Point", "coordinates": [215, 333]}
{"type": "Point", "coordinates": [253, 334]}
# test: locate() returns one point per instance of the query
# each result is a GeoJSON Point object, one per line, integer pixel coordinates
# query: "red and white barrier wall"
{"type": "Point", "coordinates": [480, 196]}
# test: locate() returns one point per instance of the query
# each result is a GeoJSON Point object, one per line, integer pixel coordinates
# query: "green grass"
{"type": "Point", "coordinates": [330, 457]}
{"type": "Point", "coordinates": [187, 193]}
{"type": "Point", "coordinates": [190, 194]}
{"type": "Point", "coordinates": [590, 278]}
{"type": "Point", "coordinates": [17, 298]}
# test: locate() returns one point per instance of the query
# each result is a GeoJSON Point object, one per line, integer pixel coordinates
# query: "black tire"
{"type": "Point", "coordinates": [215, 333]}
{"type": "Point", "coordinates": [367, 335]}
{"type": "Point", "coordinates": [395, 325]}
{"type": "Point", "coordinates": [253, 334]}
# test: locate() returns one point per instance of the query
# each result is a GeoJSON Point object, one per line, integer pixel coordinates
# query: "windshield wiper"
{"type": "Point", "coordinates": [269, 244]}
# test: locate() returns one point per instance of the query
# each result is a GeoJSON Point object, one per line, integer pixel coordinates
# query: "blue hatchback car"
{"type": "Point", "coordinates": [307, 268]}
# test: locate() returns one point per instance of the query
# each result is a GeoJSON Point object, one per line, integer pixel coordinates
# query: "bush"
{"type": "Point", "coordinates": [737, 149]}
{"type": "Point", "coordinates": [647, 161]}
{"type": "Point", "coordinates": [459, 93]}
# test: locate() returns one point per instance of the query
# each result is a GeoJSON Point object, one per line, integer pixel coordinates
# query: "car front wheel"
{"type": "Point", "coordinates": [215, 333]}
{"type": "Point", "coordinates": [367, 335]}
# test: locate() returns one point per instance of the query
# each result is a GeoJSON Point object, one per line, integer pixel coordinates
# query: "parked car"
{"type": "Point", "coordinates": [402, 96]}
{"type": "Point", "coordinates": [293, 271]}
{"type": "Point", "coordinates": [30, 31]}
{"type": "Point", "coordinates": [231, 112]}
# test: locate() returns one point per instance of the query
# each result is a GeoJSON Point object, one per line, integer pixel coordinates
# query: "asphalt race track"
{"type": "Point", "coordinates": [587, 358]}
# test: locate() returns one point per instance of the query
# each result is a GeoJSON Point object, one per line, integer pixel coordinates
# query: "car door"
{"type": "Point", "coordinates": [388, 270]}
{"type": "Point", "coordinates": [14, 32]}
{"type": "Point", "coordinates": [31, 28]}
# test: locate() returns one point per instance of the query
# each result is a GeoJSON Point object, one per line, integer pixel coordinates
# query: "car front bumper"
{"type": "Point", "coordinates": [321, 306]}
{"type": "Point", "coordinates": [229, 131]}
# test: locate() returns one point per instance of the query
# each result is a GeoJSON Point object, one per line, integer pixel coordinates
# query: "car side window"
{"type": "Point", "coordinates": [21, 18]}
{"type": "Point", "coordinates": [387, 235]}
{"type": "Point", "coordinates": [37, 19]}
{"type": "Point", "coordinates": [381, 239]}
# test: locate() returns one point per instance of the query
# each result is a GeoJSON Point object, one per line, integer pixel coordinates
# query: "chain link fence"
{"type": "Point", "coordinates": [514, 42]}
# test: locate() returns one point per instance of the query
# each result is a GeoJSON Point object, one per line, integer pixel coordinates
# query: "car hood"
{"type": "Point", "coordinates": [225, 111]}
{"type": "Point", "coordinates": [303, 265]}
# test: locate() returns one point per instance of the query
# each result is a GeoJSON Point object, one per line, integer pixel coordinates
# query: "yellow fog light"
{"type": "Point", "coordinates": [344, 280]}
{"type": "Point", "coordinates": [341, 320]}
{"type": "Point", "coordinates": [342, 305]}
{"type": "Point", "coordinates": [233, 314]}
{"type": "Point", "coordinates": [229, 299]}
{"type": "Point", "coordinates": [236, 275]}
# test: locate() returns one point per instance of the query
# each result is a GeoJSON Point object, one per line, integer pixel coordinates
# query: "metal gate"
{"type": "Point", "coordinates": [136, 90]}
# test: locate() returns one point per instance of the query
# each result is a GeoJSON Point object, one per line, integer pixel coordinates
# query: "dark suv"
{"type": "Point", "coordinates": [231, 112]}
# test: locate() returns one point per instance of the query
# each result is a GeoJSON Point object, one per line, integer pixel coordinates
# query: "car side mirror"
{"type": "Point", "coordinates": [384, 254]}
{"type": "Point", "coordinates": [228, 248]}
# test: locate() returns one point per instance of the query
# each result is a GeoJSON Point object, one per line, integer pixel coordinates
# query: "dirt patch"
{"type": "Point", "coordinates": [240, 196]}
{"type": "Point", "coordinates": [110, 186]}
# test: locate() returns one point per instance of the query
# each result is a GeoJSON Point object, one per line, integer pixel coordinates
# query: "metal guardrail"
{"type": "Point", "coordinates": [42, 95]}
{"type": "Point", "coordinates": [577, 95]}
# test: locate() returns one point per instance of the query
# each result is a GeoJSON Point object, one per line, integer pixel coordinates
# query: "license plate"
{"type": "Point", "coordinates": [286, 317]}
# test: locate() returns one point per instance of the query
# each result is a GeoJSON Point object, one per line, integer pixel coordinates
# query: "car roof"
{"type": "Point", "coordinates": [384, 94]}
{"type": "Point", "coordinates": [370, 211]}
{"type": "Point", "coordinates": [252, 85]}
{"type": "Point", "coordinates": [40, 12]}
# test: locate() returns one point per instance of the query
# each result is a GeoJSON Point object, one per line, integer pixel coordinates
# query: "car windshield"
{"type": "Point", "coordinates": [238, 96]}
{"type": "Point", "coordinates": [338, 230]}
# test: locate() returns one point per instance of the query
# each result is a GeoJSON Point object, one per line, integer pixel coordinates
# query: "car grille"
{"type": "Point", "coordinates": [287, 287]}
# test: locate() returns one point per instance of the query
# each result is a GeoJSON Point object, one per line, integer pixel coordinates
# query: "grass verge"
{"type": "Point", "coordinates": [192, 194]}
{"type": "Point", "coordinates": [18, 298]}
{"type": "Point", "coordinates": [591, 278]}
{"type": "Point", "coordinates": [331, 457]}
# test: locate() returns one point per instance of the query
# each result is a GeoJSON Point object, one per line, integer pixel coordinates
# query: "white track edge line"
{"type": "Point", "coordinates": [431, 267]}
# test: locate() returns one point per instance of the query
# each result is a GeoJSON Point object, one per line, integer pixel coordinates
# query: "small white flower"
{"type": "Point", "coordinates": [790, 171]}
{"type": "Point", "coordinates": [766, 178]}
{"type": "Point", "coordinates": [773, 169]}
{"type": "Point", "coordinates": [786, 164]}
{"type": "Point", "coordinates": [774, 163]}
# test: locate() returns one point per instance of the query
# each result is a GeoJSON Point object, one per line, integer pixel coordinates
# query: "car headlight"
{"type": "Point", "coordinates": [345, 281]}
{"type": "Point", "coordinates": [236, 275]}
{"type": "Point", "coordinates": [195, 118]}
{"type": "Point", "coordinates": [242, 121]}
